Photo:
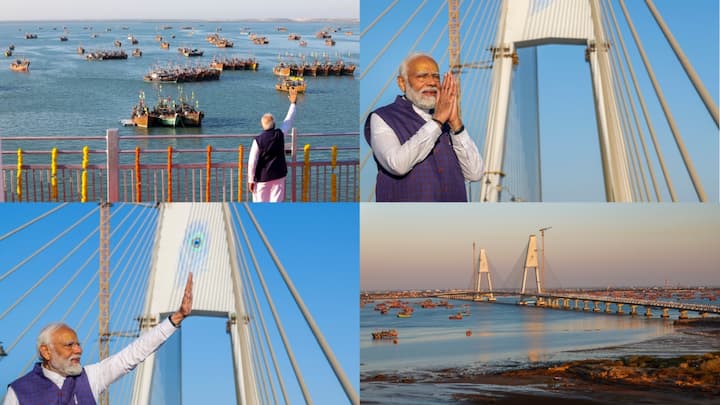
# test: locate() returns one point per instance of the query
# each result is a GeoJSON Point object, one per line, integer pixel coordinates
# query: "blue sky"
{"type": "Point", "coordinates": [570, 158]}
{"type": "Point", "coordinates": [317, 244]}
{"type": "Point", "coordinates": [409, 246]}
{"type": "Point", "coordinates": [73, 10]}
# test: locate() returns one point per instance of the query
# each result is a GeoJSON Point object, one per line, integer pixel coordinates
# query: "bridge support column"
{"type": "Point", "coordinates": [596, 306]}
{"type": "Point", "coordinates": [619, 308]}
{"type": "Point", "coordinates": [566, 303]}
{"type": "Point", "coordinates": [633, 310]}
{"type": "Point", "coordinates": [683, 314]}
{"type": "Point", "coordinates": [648, 312]}
{"type": "Point", "coordinates": [607, 307]}
{"type": "Point", "coordinates": [577, 304]}
{"type": "Point", "coordinates": [586, 306]}
{"type": "Point", "coordinates": [665, 313]}
{"type": "Point", "coordinates": [704, 314]}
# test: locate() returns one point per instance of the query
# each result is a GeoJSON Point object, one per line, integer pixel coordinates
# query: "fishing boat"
{"type": "Point", "coordinates": [190, 52]}
{"type": "Point", "coordinates": [384, 334]}
{"type": "Point", "coordinates": [281, 69]}
{"type": "Point", "coordinates": [165, 45]}
{"type": "Point", "coordinates": [302, 43]}
{"type": "Point", "coordinates": [291, 82]}
{"type": "Point", "coordinates": [20, 65]}
{"type": "Point", "coordinates": [457, 316]}
{"type": "Point", "coordinates": [8, 53]}
{"type": "Point", "coordinates": [405, 313]}
{"type": "Point", "coordinates": [137, 52]}
{"type": "Point", "coordinates": [30, 36]}
{"type": "Point", "coordinates": [189, 110]}
{"type": "Point", "coordinates": [118, 44]}
{"type": "Point", "coordinates": [80, 50]}
{"type": "Point", "coordinates": [63, 38]}
{"type": "Point", "coordinates": [224, 43]}
{"type": "Point", "coordinates": [330, 42]}
{"type": "Point", "coordinates": [167, 112]}
{"type": "Point", "coordinates": [132, 40]}
{"type": "Point", "coordinates": [260, 41]}
{"type": "Point", "coordinates": [294, 37]}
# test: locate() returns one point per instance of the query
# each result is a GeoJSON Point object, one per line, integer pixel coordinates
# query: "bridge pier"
{"type": "Point", "coordinates": [704, 314]}
{"type": "Point", "coordinates": [566, 304]}
{"type": "Point", "coordinates": [683, 314]}
{"type": "Point", "coordinates": [596, 306]}
{"type": "Point", "coordinates": [577, 304]}
{"type": "Point", "coordinates": [619, 308]}
{"type": "Point", "coordinates": [633, 310]}
{"type": "Point", "coordinates": [665, 314]}
{"type": "Point", "coordinates": [586, 306]}
{"type": "Point", "coordinates": [648, 312]}
{"type": "Point", "coordinates": [607, 307]}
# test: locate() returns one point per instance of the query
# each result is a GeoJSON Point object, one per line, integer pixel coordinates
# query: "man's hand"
{"type": "Point", "coordinates": [446, 98]}
{"type": "Point", "coordinates": [292, 94]}
{"type": "Point", "coordinates": [455, 121]}
{"type": "Point", "coordinates": [186, 305]}
{"type": "Point", "coordinates": [251, 187]}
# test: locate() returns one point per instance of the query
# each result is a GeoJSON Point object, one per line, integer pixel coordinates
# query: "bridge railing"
{"type": "Point", "coordinates": [193, 168]}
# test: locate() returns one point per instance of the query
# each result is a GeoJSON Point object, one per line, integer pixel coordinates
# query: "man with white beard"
{"type": "Point", "coordinates": [422, 150]}
{"type": "Point", "coordinates": [60, 378]}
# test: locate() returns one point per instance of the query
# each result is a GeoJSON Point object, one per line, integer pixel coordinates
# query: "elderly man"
{"type": "Point", "coordinates": [422, 150]}
{"type": "Point", "coordinates": [267, 168]}
{"type": "Point", "coordinates": [60, 378]}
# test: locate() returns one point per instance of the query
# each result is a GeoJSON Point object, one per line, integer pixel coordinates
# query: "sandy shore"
{"type": "Point", "coordinates": [679, 368]}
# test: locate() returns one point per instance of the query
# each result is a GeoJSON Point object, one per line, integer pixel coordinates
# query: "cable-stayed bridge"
{"type": "Point", "coordinates": [532, 291]}
{"type": "Point", "coordinates": [259, 308]}
{"type": "Point", "coordinates": [641, 126]}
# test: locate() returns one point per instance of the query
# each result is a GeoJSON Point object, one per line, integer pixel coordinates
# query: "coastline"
{"type": "Point", "coordinates": [681, 367]}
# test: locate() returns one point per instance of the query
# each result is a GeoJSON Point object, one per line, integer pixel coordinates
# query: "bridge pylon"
{"type": "Point", "coordinates": [531, 263]}
{"type": "Point", "coordinates": [529, 24]}
{"type": "Point", "coordinates": [482, 267]}
{"type": "Point", "coordinates": [198, 238]}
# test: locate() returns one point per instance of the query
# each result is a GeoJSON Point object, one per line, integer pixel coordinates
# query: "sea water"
{"type": "Point", "coordinates": [63, 94]}
{"type": "Point", "coordinates": [502, 336]}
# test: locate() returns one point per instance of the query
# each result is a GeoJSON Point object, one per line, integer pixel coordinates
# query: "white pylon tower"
{"type": "Point", "coordinates": [529, 23]}
{"type": "Point", "coordinates": [531, 262]}
{"type": "Point", "coordinates": [481, 267]}
{"type": "Point", "coordinates": [198, 238]}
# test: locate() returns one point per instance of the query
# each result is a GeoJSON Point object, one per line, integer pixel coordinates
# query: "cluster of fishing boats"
{"type": "Point", "coordinates": [390, 334]}
{"type": "Point", "coordinates": [327, 68]}
{"type": "Point", "coordinates": [179, 74]}
{"type": "Point", "coordinates": [216, 40]}
{"type": "Point", "coordinates": [234, 63]}
{"type": "Point", "coordinates": [106, 55]}
{"type": "Point", "coordinates": [167, 112]}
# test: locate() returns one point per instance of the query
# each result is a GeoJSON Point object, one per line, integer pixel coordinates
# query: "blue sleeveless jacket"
{"type": "Point", "coordinates": [438, 178]}
{"type": "Point", "coordinates": [35, 389]}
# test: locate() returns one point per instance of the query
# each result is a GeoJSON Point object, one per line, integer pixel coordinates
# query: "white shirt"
{"type": "Point", "coordinates": [254, 153]}
{"type": "Point", "coordinates": [400, 159]}
{"type": "Point", "coordinates": [101, 375]}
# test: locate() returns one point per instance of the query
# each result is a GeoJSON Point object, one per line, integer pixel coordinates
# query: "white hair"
{"type": "Point", "coordinates": [46, 334]}
{"type": "Point", "coordinates": [267, 121]}
{"type": "Point", "coordinates": [404, 65]}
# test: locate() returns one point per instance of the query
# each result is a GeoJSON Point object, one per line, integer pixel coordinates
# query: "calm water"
{"type": "Point", "coordinates": [63, 94]}
{"type": "Point", "coordinates": [503, 336]}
